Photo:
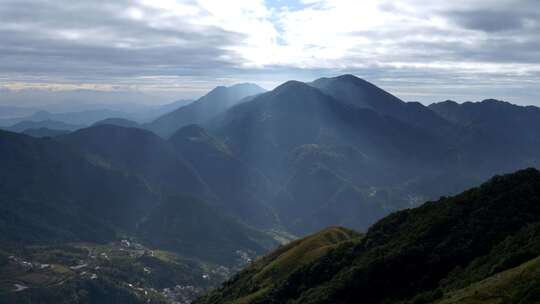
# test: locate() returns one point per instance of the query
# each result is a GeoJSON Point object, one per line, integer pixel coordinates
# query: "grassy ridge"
{"type": "Point", "coordinates": [253, 283]}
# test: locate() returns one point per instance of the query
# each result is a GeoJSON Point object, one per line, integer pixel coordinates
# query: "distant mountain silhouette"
{"type": "Point", "coordinates": [203, 109]}
{"type": "Point", "coordinates": [80, 118]}
{"type": "Point", "coordinates": [49, 124]}
{"type": "Point", "coordinates": [490, 112]}
{"type": "Point", "coordinates": [44, 132]}
{"type": "Point", "coordinates": [494, 134]}
{"type": "Point", "coordinates": [10, 112]}
{"type": "Point", "coordinates": [169, 107]}
{"type": "Point", "coordinates": [88, 113]}
{"type": "Point", "coordinates": [121, 122]}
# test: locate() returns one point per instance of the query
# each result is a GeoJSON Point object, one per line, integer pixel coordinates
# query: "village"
{"type": "Point", "coordinates": [50, 267]}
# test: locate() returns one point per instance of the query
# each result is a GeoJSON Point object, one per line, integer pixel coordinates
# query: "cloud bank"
{"type": "Point", "coordinates": [420, 50]}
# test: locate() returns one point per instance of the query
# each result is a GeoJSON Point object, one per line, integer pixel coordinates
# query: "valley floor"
{"type": "Point", "coordinates": [128, 269]}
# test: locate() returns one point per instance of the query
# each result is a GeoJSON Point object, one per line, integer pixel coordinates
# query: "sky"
{"type": "Point", "coordinates": [419, 50]}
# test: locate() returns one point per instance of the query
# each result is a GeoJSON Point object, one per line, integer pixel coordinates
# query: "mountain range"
{"type": "Point", "coordinates": [233, 174]}
{"type": "Point", "coordinates": [85, 114]}
{"type": "Point", "coordinates": [78, 188]}
{"type": "Point", "coordinates": [339, 149]}
{"type": "Point", "coordinates": [49, 124]}
{"type": "Point", "coordinates": [335, 151]}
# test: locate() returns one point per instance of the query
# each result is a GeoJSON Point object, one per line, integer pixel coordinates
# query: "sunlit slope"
{"type": "Point", "coordinates": [203, 109]}
{"type": "Point", "coordinates": [250, 285]}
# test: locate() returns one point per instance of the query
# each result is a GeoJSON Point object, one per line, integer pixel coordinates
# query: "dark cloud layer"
{"type": "Point", "coordinates": [491, 21]}
{"type": "Point", "coordinates": [473, 48]}
{"type": "Point", "coordinates": [78, 37]}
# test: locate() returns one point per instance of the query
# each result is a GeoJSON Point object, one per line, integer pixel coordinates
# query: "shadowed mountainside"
{"type": "Point", "coordinates": [62, 191]}
{"type": "Point", "coordinates": [242, 190]}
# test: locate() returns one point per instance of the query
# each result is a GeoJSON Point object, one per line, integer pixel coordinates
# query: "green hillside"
{"type": "Point", "coordinates": [517, 285]}
{"type": "Point", "coordinates": [259, 278]}
{"type": "Point", "coordinates": [413, 256]}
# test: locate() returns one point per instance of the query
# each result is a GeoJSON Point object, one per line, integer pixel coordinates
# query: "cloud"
{"type": "Point", "coordinates": [408, 46]}
{"type": "Point", "coordinates": [103, 37]}
{"type": "Point", "coordinates": [489, 21]}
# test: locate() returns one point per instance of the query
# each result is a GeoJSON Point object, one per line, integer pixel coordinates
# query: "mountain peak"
{"type": "Point", "coordinates": [245, 88]}
{"type": "Point", "coordinates": [444, 104]}
{"type": "Point", "coordinates": [345, 78]}
{"type": "Point", "coordinates": [117, 121]}
{"type": "Point", "coordinates": [247, 85]}
{"type": "Point", "coordinates": [297, 90]}
{"type": "Point", "coordinates": [495, 101]}
{"type": "Point", "coordinates": [350, 77]}
{"type": "Point", "coordinates": [216, 89]}
{"type": "Point", "coordinates": [357, 91]}
{"type": "Point", "coordinates": [290, 84]}
{"type": "Point", "coordinates": [205, 108]}
{"type": "Point", "coordinates": [294, 86]}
